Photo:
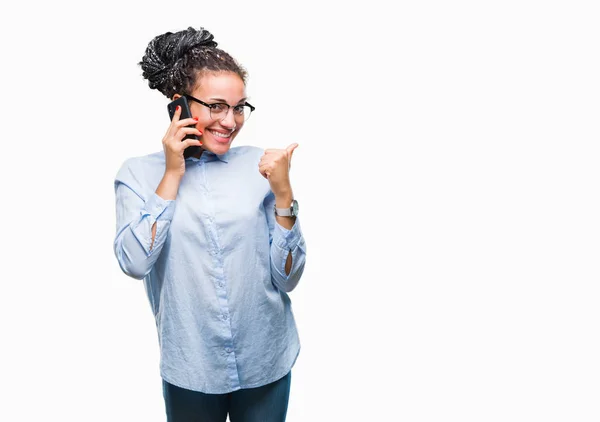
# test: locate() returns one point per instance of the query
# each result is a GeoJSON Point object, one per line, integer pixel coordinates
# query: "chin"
{"type": "Point", "coordinates": [218, 149]}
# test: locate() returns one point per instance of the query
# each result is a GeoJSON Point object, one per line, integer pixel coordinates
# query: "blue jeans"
{"type": "Point", "coordinates": [268, 403]}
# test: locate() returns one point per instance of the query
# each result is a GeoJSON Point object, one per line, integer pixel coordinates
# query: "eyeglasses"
{"type": "Point", "coordinates": [218, 111]}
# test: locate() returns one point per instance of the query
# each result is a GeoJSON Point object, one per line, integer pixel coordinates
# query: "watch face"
{"type": "Point", "coordinates": [295, 207]}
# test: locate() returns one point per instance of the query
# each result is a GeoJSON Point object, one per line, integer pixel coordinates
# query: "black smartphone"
{"type": "Point", "coordinates": [185, 113]}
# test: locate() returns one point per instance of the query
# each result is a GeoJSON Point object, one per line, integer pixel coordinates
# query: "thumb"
{"type": "Point", "coordinates": [290, 150]}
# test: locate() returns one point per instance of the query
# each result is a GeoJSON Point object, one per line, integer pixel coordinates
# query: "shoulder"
{"type": "Point", "coordinates": [142, 172]}
{"type": "Point", "coordinates": [141, 164]}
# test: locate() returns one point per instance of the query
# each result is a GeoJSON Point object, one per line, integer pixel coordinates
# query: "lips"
{"type": "Point", "coordinates": [222, 137]}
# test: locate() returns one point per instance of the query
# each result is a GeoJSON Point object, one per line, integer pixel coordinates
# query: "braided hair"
{"type": "Point", "coordinates": [174, 61]}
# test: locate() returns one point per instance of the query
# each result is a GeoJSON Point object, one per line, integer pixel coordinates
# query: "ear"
{"type": "Point", "coordinates": [175, 96]}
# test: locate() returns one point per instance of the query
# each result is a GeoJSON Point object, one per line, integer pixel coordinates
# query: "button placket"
{"type": "Point", "coordinates": [219, 279]}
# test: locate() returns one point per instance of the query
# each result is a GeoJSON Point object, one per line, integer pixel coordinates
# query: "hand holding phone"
{"type": "Point", "coordinates": [185, 114]}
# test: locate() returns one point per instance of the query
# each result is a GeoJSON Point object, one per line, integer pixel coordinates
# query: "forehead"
{"type": "Point", "coordinates": [226, 85]}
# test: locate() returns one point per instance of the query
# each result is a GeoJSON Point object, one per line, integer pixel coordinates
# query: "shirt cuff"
{"type": "Point", "coordinates": [156, 209]}
{"type": "Point", "coordinates": [287, 239]}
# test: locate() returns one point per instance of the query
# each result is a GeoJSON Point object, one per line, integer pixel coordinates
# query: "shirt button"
{"type": "Point", "coordinates": [224, 317]}
{"type": "Point", "coordinates": [228, 350]}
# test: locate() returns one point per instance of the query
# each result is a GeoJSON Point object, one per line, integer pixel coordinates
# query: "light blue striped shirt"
{"type": "Point", "coordinates": [215, 275]}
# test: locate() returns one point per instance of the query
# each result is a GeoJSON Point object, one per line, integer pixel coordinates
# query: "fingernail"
{"type": "Point", "coordinates": [195, 118]}
{"type": "Point", "coordinates": [177, 108]}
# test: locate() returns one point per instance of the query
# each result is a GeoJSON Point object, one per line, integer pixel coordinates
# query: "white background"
{"type": "Point", "coordinates": [448, 179]}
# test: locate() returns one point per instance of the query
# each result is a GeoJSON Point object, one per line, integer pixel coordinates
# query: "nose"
{"type": "Point", "coordinates": [229, 119]}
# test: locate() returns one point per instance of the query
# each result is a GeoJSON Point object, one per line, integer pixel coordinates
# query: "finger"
{"type": "Point", "coordinates": [263, 172]}
{"type": "Point", "coordinates": [272, 151]}
{"type": "Point", "coordinates": [176, 114]}
{"type": "Point", "coordinates": [190, 142]}
{"type": "Point", "coordinates": [290, 150]}
{"type": "Point", "coordinates": [176, 123]}
{"type": "Point", "coordinates": [176, 126]}
{"type": "Point", "coordinates": [182, 132]}
{"type": "Point", "coordinates": [174, 120]}
{"type": "Point", "coordinates": [186, 122]}
{"type": "Point", "coordinates": [265, 168]}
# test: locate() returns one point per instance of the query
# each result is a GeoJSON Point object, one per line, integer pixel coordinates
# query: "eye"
{"type": "Point", "coordinates": [218, 108]}
{"type": "Point", "coordinates": [239, 109]}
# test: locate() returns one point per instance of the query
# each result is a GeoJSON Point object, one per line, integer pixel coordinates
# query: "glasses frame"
{"type": "Point", "coordinates": [252, 108]}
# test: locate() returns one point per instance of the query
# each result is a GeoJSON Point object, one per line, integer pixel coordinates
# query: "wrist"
{"type": "Point", "coordinates": [172, 176]}
{"type": "Point", "coordinates": [284, 200]}
{"type": "Point", "coordinates": [168, 186]}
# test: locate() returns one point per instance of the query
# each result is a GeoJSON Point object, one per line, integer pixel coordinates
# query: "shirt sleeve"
{"type": "Point", "coordinates": [133, 246]}
{"type": "Point", "coordinates": [284, 242]}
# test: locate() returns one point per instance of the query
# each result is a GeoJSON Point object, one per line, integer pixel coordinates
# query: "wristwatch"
{"type": "Point", "coordinates": [292, 211]}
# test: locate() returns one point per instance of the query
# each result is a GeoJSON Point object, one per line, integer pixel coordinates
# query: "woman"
{"type": "Point", "coordinates": [216, 239]}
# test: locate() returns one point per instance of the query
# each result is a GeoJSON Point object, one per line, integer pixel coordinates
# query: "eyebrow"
{"type": "Point", "coordinates": [221, 100]}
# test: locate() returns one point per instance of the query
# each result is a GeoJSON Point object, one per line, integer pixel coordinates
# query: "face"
{"type": "Point", "coordinates": [222, 87]}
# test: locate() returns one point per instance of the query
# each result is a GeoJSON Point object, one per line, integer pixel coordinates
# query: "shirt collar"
{"type": "Point", "coordinates": [208, 156]}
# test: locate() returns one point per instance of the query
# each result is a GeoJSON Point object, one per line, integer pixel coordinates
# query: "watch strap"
{"type": "Point", "coordinates": [283, 212]}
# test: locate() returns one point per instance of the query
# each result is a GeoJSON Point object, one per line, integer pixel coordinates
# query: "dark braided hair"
{"type": "Point", "coordinates": [174, 61]}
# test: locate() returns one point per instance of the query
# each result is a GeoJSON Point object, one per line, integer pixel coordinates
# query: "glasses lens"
{"type": "Point", "coordinates": [240, 112]}
{"type": "Point", "coordinates": [247, 112]}
{"type": "Point", "coordinates": [218, 111]}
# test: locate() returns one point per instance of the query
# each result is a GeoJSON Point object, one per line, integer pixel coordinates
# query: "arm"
{"type": "Point", "coordinates": [288, 248]}
{"type": "Point", "coordinates": [142, 225]}
{"type": "Point", "coordinates": [167, 189]}
{"type": "Point", "coordinates": [283, 201]}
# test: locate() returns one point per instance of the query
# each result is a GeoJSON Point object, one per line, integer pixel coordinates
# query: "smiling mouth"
{"type": "Point", "coordinates": [219, 134]}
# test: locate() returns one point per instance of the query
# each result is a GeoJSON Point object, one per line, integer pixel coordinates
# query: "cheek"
{"type": "Point", "coordinates": [204, 119]}
{"type": "Point", "coordinates": [202, 125]}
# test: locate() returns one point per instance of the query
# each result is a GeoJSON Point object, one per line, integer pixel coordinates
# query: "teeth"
{"type": "Point", "coordinates": [220, 135]}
